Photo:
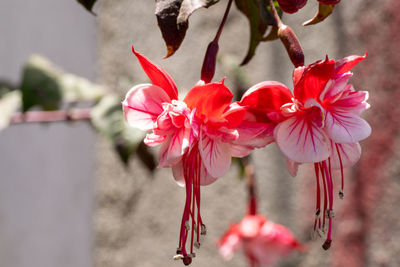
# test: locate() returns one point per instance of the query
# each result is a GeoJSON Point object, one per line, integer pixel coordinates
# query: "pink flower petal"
{"type": "Point", "coordinates": [157, 75]}
{"type": "Point", "coordinates": [301, 140]}
{"type": "Point", "coordinates": [173, 148]}
{"type": "Point", "coordinates": [206, 178]}
{"type": "Point", "coordinates": [153, 139]}
{"type": "Point", "coordinates": [349, 155]}
{"type": "Point", "coordinates": [353, 101]}
{"type": "Point", "coordinates": [345, 127]}
{"type": "Point", "coordinates": [292, 167]}
{"type": "Point", "coordinates": [143, 104]}
{"type": "Point", "coordinates": [177, 171]}
{"type": "Point", "coordinates": [216, 155]}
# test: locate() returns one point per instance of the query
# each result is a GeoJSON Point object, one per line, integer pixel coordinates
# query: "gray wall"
{"type": "Point", "coordinates": [46, 171]}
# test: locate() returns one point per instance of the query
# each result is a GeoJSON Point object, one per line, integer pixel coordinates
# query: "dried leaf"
{"type": "Point", "coordinates": [172, 17]}
{"type": "Point", "coordinates": [323, 12]}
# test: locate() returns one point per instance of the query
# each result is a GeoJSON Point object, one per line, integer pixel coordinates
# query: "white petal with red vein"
{"type": "Point", "coordinates": [302, 141]}
{"type": "Point", "coordinates": [143, 104]}
{"type": "Point", "coordinates": [216, 155]}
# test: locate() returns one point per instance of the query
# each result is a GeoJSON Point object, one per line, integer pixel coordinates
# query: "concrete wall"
{"type": "Point", "coordinates": [46, 171]}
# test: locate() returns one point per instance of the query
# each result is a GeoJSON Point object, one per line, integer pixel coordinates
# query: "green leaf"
{"type": "Point", "coordinates": [9, 104]}
{"type": "Point", "coordinates": [40, 86]}
{"type": "Point", "coordinates": [172, 17]}
{"type": "Point", "coordinates": [46, 86]}
{"type": "Point", "coordinates": [108, 120]}
{"type": "Point", "coordinates": [88, 4]}
{"type": "Point", "coordinates": [323, 12]}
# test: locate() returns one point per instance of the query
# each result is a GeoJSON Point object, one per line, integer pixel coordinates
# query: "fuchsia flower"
{"type": "Point", "coordinates": [197, 137]}
{"type": "Point", "coordinates": [263, 242]}
{"type": "Point", "coordinates": [319, 123]}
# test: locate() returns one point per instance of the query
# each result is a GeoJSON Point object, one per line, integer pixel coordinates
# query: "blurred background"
{"type": "Point", "coordinates": [67, 200]}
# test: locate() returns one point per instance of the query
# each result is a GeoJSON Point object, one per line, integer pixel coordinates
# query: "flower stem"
{"type": "Point", "coordinates": [221, 26]}
{"type": "Point", "coordinates": [275, 14]}
{"type": "Point", "coordinates": [251, 184]}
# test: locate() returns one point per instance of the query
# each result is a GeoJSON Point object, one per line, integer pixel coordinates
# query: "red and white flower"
{"type": "Point", "coordinates": [319, 123]}
{"type": "Point", "coordinates": [198, 137]}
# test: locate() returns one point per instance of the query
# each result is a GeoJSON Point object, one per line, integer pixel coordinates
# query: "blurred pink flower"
{"type": "Point", "coordinates": [196, 137]}
{"type": "Point", "coordinates": [262, 241]}
{"type": "Point", "coordinates": [319, 123]}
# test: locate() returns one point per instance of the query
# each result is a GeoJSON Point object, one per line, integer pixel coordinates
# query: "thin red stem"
{"type": "Point", "coordinates": [221, 26]}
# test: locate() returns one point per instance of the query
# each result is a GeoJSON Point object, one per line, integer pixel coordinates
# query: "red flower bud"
{"type": "Point", "coordinates": [210, 59]}
{"type": "Point", "coordinates": [292, 45]}
{"type": "Point", "coordinates": [292, 6]}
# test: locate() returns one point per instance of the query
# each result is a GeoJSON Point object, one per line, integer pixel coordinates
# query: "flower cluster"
{"type": "Point", "coordinates": [318, 123]}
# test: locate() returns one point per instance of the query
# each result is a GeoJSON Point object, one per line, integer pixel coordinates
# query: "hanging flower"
{"type": "Point", "coordinates": [196, 137]}
{"type": "Point", "coordinates": [319, 123]}
{"type": "Point", "coordinates": [262, 241]}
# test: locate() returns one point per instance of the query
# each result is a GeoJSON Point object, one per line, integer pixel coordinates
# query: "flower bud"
{"type": "Point", "coordinates": [292, 6]}
{"type": "Point", "coordinates": [329, 2]}
{"type": "Point", "coordinates": [210, 59]}
{"type": "Point", "coordinates": [292, 45]}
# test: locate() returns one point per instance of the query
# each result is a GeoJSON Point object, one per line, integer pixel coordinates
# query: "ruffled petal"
{"type": "Point", "coordinates": [349, 154]}
{"type": "Point", "coordinates": [153, 139]}
{"type": "Point", "coordinates": [216, 155]}
{"type": "Point", "coordinates": [157, 75]}
{"type": "Point", "coordinates": [345, 127]}
{"type": "Point", "coordinates": [173, 148]}
{"type": "Point", "coordinates": [301, 140]}
{"type": "Point", "coordinates": [210, 100]}
{"type": "Point", "coordinates": [266, 96]}
{"type": "Point", "coordinates": [353, 101]}
{"type": "Point", "coordinates": [143, 104]}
